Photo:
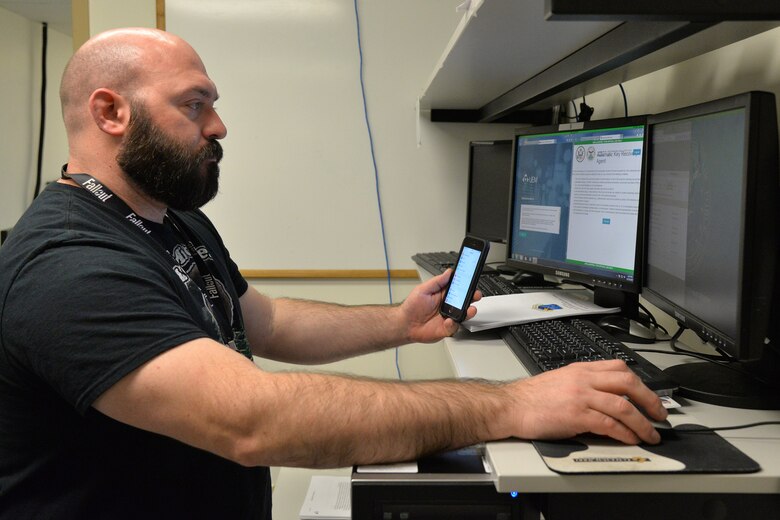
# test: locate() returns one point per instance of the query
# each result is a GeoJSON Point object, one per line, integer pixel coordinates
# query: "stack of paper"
{"type": "Point", "coordinates": [328, 498]}
{"type": "Point", "coordinates": [511, 309]}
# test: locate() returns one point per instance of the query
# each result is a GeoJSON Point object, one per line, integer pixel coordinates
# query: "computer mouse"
{"type": "Point", "coordinates": [660, 426]}
{"type": "Point", "coordinates": [626, 329]}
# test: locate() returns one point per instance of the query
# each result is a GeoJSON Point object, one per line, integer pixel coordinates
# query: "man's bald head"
{"type": "Point", "coordinates": [120, 60]}
{"type": "Point", "coordinates": [139, 110]}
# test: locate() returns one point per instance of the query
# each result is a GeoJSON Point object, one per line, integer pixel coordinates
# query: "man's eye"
{"type": "Point", "coordinates": [197, 105]}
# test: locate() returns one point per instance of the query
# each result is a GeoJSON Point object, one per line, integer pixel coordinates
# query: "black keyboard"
{"type": "Point", "coordinates": [550, 344]}
{"type": "Point", "coordinates": [496, 286]}
{"type": "Point", "coordinates": [439, 261]}
{"type": "Point", "coordinates": [436, 262]}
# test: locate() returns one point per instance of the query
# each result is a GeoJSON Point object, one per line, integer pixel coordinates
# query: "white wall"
{"type": "Point", "coordinates": [16, 37]}
{"type": "Point", "coordinates": [111, 14]}
{"type": "Point", "coordinates": [298, 184]}
{"type": "Point", "coordinates": [20, 84]}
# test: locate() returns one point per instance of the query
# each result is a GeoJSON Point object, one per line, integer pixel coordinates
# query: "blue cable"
{"type": "Point", "coordinates": [376, 173]}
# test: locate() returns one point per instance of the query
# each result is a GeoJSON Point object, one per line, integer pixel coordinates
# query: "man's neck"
{"type": "Point", "coordinates": [116, 181]}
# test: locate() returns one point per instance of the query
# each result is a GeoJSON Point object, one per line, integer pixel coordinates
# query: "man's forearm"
{"type": "Point", "coordinates": [212, 398]}
{"type": "Point", "coordinates": [329, 421]}
{"type": "Point", "coordinates": [314, 332]}
{"type": "Point", "coordinates": [302, 331]}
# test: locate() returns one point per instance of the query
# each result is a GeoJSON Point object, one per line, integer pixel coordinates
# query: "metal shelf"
{"type": "Point", "coordinates": [507, 63]}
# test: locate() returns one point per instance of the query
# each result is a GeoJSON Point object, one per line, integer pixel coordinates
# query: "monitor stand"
{"type": "Point", "coordinates": [529, 279]}
{"type": "Point", "coordinates": [627, 329]}
{"type": "Point", "coordinates": [626, 301]}
{"type": "Point", "coordinates": [506, 269]}
{"type": "Point", "coordinates": [735, 387]}
{"type": "Point", "coordinates": [629, 324]}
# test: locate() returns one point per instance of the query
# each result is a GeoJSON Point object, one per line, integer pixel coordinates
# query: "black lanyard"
{"type": "Point", "coordinates": [202, 285]}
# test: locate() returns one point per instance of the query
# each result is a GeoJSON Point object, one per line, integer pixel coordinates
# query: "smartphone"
{"type": "Point", "coordinates": [460, 290]}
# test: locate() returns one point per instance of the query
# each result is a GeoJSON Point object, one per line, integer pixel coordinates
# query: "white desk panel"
{"type": "Point", "coordinates": [483, 355]}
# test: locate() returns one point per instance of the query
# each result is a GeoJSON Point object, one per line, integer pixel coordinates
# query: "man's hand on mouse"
{"type": "Point", "coordinates": [586, 397]}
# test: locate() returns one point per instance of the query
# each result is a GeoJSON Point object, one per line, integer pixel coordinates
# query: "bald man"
{"type": "Point", "coordinates": [127, 387]}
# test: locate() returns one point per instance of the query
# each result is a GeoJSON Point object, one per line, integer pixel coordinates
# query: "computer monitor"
{"type": "Point", "coordinates": [712, 241]}
{"type": "Point", "coordinates": [490, 168]}
{"type": "Point", "coordinates": [577, 206]}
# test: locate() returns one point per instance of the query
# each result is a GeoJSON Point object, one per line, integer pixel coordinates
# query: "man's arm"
{"type": "Point", "coordinates": [210, 397]}
{"type": "Point", "coordinates": [302, 331]}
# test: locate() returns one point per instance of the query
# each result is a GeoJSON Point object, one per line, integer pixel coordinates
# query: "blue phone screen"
{"type": "Point", "coordinates": [464, 272]}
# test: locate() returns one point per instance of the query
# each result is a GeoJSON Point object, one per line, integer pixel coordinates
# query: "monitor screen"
{"type": "Point", "coordinates": [490, 167]}
{"type": "Point", "coordinates": [577, 202]}
{"type": "Point", "coordinates": [697, 193]}
{"type": "Point", "coordinates": [712, 224]}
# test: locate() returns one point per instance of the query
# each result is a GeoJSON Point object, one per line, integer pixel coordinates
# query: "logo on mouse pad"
{"type": "Point", "coordinates": [637, 459]}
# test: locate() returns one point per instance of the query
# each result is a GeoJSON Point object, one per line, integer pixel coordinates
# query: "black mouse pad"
{"type": "Point", "coordinates": [680, 451]}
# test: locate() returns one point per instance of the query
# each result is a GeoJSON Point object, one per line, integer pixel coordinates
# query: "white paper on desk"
{"type": "Point", "coordinates": [328, 498]}
{"type": "Point", "coordinates": [511, 309]}
{"type": "Point", "coordinates": [398, 467]}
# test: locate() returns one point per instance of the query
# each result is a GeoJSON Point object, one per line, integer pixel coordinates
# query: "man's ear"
{"type": "Point", "coordinates": [110, 111]}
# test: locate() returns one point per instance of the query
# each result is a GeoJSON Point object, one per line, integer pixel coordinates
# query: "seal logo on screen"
{"type": "Point", "coordinates": [546, 307]}
{"type": "Point", "coordinates": [580, 154]}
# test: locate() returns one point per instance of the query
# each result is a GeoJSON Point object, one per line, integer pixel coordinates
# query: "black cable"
{"type": "Point", "coordinates": [652, 319]}
{"type": "Point", "coordinates": [586, 112]}
{"type": "Point", "coordinates": [39, 173]}
{"type": "Point", "coordinates": [724, 428]}
{"type": "Point", "coordinates": [722, 357]}
{"type": "Point", "coordinates": [673, 353]}
{"type": "Point", "coordinates": [625, 101]}
{"type": "Point", "coordinates": [576, 115]}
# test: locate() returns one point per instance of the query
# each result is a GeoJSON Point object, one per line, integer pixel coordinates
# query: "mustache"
{"type": "Point", "coordinates": [211, 151]}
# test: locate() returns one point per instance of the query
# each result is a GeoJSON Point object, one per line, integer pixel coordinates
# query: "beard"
{"type": "Point", "coordinates": [166, 170]}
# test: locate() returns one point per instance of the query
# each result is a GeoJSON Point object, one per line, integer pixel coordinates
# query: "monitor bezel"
{"type": "Point", "coordinates": [759, 249]}
{"type": "Point", "coordinates": [499, 239]}
{"type": "Point", "coordinates": [594, 280]}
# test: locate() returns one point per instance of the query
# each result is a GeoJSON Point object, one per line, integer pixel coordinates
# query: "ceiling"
{"type": "Point", "coordinates": [55, 12]}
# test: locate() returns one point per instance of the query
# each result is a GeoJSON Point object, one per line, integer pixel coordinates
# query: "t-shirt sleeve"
{"type": "Point", "coordinates": [81, 318]}
{"type": "Point", "coordinates": [236, 277]}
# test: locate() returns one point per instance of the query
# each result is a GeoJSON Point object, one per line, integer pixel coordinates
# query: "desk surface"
{"type": "Point", "coordinates": [517, 466]}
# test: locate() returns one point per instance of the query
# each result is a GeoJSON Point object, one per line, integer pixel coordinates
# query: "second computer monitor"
{"type": "Point", "coordinates": [490, 168]}
{"type": "Point", "coordinates": [577, 205]}
{"type": "Point", "coordinates": [713, 237]}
